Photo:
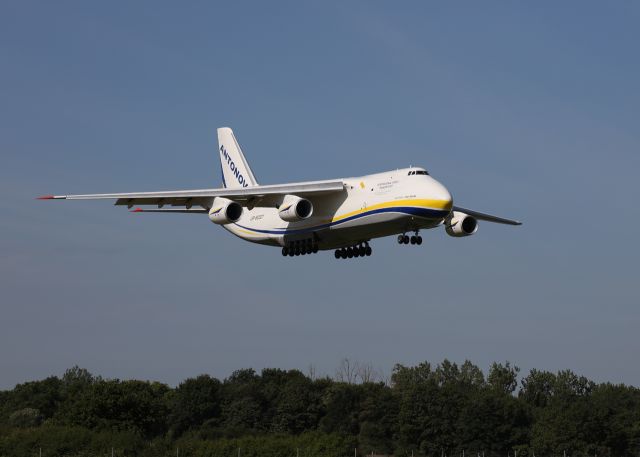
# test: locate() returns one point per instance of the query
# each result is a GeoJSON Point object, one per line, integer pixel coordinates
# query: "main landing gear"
{"type": "Point", "coordinates": [300, 247]}
{"type": "Point", "coordinates": [359, 250]}
{"type": "Point", "coordinates": [414, 239]}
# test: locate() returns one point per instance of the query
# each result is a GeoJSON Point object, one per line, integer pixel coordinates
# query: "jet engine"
{"type": "Point", "coordinates": [224, 211]}
{"type": "Point", "coordinates": [295, 209]}
{"type": "Point", "coordinates": [461, 224]}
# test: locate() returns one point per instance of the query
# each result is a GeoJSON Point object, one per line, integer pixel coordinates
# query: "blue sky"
{"type": "Point", "coordinates": [529, 111]}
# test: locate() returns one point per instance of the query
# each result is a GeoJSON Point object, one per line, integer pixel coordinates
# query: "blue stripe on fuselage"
{"type": "Point", "coordinates": [413, 211]}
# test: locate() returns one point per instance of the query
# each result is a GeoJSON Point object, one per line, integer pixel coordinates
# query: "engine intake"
{"type": "Point", "coordinates": [461, 224]}
{"type": "Point", "coordinates": [295, 208]}
{"type": "Point", "coordinates": [224, 211]}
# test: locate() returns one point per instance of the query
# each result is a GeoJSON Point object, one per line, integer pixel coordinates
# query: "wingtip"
{"type": "Point", "coordinates": [137, 210]}
{"type": "Point", "coordinates": [45, 197]}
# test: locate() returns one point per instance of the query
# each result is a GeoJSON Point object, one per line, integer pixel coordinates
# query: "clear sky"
{"type": "Point", "coordinates": [525, 110]}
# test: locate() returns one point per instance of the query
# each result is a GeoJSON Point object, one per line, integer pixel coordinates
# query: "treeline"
{"type": "Point", "coordinates": [426, 410]}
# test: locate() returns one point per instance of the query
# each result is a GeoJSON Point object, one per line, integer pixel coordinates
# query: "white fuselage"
{"type": "Point", "coordinates": [371, 206]}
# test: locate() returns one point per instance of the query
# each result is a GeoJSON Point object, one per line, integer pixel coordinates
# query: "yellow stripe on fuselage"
{"type": "Point", "coordinates": [420, 203]}
{"type": "Point", "coordinates": [248, 232]}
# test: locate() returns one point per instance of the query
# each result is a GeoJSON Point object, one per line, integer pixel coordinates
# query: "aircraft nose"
{"type": "Point", "coordinates": [441, 193]}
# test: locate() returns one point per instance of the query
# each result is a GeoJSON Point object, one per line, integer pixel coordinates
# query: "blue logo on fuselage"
{"type": "Point", "coordinates": [233, 167]}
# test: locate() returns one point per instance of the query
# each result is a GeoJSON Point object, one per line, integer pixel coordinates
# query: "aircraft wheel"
{"type": "Point", "coordinates": [419, 240]}
{"type": "Point", "coordinates": [350, 253]}
{"type": "Point", "coordinates": [337, 254]}
{"type": "Point", "coordinates": [309, 249]}
{"type": "Point", "coordinates": [362, 250]}
{"type": "Point", "coordinates": [315, 249]}
{"type": "Point", "coordinates": [405, 239]}
{"type": "Point", "coordinates": [285, 252]}
{"type": "Point", "coordinates": [297, 251]}
{"type": "Point", "coordinates": [291, 252]}
{"type": "Point", "coordinates": [400, 239]}
{"type": "Point", "coordinates": [413, 240]}
{"type": "Point", "coordinates": [368, 251]}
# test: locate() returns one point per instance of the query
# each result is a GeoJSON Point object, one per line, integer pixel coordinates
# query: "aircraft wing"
{"type": "Point", "coordinates": [253, 196]}
{"type": "Point", "coordinates": [486, 217]}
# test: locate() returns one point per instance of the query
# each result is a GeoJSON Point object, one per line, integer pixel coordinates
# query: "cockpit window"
{"type": "Point", "coordinates": [418, 172]}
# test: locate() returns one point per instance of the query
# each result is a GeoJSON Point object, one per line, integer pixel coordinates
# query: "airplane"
{"type": "Point", "coordinates": [302, 218]}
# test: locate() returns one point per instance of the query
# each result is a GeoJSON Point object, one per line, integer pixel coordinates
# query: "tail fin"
{"type": "Point", "coordinates": [235, 169]}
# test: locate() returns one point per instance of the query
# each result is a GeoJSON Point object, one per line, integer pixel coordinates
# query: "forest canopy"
{"type": "Point", "coordinates": [431, 410]}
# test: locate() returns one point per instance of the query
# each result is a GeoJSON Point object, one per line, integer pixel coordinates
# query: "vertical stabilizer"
{"type": "Point", "coordinates": [236, 172]}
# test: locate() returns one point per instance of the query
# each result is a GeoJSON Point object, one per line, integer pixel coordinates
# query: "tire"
{"type": "Point", "coordinates": [285, 252]}
{"type": "Point", "coordinates": [337, 254]}
{"type": "Point", "coordinates": [297, 251]}
{"type": "Point", "coordinates": [413, 240]}
{"type": "Point", "coordinates": [350, 253]}
{"type": "Point", "coordinates": [400, 239]}
{"type": "Point", "coordinates": [368, 251]}
{"type": "Point", "coordinates": [406, 239]}
{"type": "Point", "coordinates": [315, 249]}
{"type": "Point", "coordinates": [363, 251]}
{"type": "Point", "coordinates": [419, 240]}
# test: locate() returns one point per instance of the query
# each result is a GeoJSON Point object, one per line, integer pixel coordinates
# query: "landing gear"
{"type": "Point", "coordinates": [403, 239]}
{"type": "Point", "coordinates": [414, 239]}
{"type": "Point", "coordinates": [359, 250]}
{"type": "Point", "coordinates": [300, 247]}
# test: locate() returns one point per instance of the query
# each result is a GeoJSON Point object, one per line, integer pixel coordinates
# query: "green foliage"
{"type": "Point", "coordinates": [25, 418]}
{"type": "Point", "coordinates": [304, 445]}
{"type": "Point", "coordinates": [68, 441]}
{"type": "Point", "coordinates": [44, 396]}
{"type": "Point", "coordinates": [427, 410]}
{"type": "Point", "coordinates": [194, 402]}
{"type": "Point", "coordinates": [135, 406]}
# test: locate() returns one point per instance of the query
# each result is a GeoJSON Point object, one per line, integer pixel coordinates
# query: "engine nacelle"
{"type": "Point", "coordinates": [224, 211]}
{"type": "Point", "coordinates": [461, 224]}
{"type": "Point", "coordinates": [294, 208]}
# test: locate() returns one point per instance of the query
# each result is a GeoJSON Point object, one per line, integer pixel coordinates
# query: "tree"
{"type": "Point", "coordinates": [503, 378]}
{"type": "Point", "coordinates": [44, 396]}
{"type": "Point", "coordinates": [121, 405]}
{"type": "Point", "coordinates": [27, 417]}
{"type": "Point", "coordinates": [347, 371]}
{"type": "Point", "coordinates": [193, 402]}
